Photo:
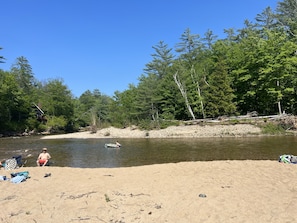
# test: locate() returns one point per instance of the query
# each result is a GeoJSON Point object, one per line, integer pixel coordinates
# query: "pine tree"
{"type": "Point", "coordinates": [219, 96]}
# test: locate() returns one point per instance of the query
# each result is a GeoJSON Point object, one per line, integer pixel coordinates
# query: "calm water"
{"type": "Point", "coordinates": [91, 153]}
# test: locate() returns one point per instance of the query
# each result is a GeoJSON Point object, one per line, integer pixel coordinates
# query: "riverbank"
{"type": "Point", "coordinates": [216, 191]}
{"type": "Point", "coordinates": [189, 131]}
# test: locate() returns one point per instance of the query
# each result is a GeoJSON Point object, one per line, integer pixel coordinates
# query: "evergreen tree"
{"type": "Point", "coordinates": [219, 96]}
{"type": "Point", "coordinates": [287, 16]}
{"type": "Point", "coordinates": [189, 47]}
{"type": "Point", "coordinates": [148, 98]}
{"type": "Point", "coordinates": [266, 19]}
{"type": "Point", "coordinates": [209, 39]}
{"type": "Point", "coordinates": [172, 105]}
{"type": "Point", "coordinates": [24, 74]}
{"type": "Point", "coordinates": [162, 60]}
{"type": "Point", "coordinates": [150, 93]}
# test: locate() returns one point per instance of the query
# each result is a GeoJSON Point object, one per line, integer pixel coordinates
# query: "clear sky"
{"type": "Point", "coordinates": [105, 44]}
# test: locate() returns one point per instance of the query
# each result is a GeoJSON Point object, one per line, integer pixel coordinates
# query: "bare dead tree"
{"type": "Point", "coordinates": [198, 90]}
{"type": "Point", "coordinates": [184, 94]}
{"type": "Point", "coordinates": [93, 120]}
{"type": "Point", "coordinates": [278, 103]}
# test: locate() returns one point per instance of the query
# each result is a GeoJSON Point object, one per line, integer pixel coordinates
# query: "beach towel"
{"type": "Point", "coordinates": [23, 173]}
{"type": "Point", "coordinates": [17, 179]}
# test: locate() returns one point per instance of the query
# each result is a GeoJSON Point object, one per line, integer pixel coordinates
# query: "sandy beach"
{"type": "Point", "coordinates": [216, 191]}
{"type": "Point", "coordinates": [190, 131]}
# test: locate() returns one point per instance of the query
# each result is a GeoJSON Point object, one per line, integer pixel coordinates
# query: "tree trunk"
{"type": "Point", "coordinates": [93, 121]}
{"type": "Point", "coordinates": [198, 90]}
{"type": "Point", "coordinates": [184, 94]}
{"type": "Point", "coordinates": [278, 103]}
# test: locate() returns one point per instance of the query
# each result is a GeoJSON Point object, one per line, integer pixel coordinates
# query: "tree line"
{"type": "Point", "coordinates": [253, 69]}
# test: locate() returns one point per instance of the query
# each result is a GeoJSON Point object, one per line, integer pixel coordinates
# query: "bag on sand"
{"type": "Point", "coordinates": [293, 159]}
{"type": "Point", "coordinates": [11, 164]}
{"type": "Point", "coordinates": [287, 159]}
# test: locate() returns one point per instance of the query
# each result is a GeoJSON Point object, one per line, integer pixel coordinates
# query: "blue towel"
{"type": "Point", "coordinates": [17, 179]}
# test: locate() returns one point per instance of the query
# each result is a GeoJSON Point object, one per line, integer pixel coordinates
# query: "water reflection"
{"type": "Point", "coordinates": [91, 153]}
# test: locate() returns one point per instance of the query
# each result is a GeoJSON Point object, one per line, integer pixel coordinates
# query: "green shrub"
{"type": "Point", "coordinates": [41, 128]}
{"type": "Point", "coordinates": [164, 123]}
{"type": "Point", "coordinates": [234, 121]}
{"type": "Point", "coordinates": [273, 129]}
{"type": "Point", "coordinates": [57, 123]}
{"type": "Point", "coordinates": [145, 125]}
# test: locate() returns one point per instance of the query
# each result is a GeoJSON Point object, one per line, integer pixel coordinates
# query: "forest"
{"type": "Point", "coordinates": [253, 69]}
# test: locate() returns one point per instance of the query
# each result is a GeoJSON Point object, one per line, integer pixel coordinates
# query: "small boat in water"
{"type": "Point", "coordinates": [113, 145]}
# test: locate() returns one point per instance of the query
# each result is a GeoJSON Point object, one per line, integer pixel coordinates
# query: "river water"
{"type": "Point", "coordinates": [91, 153]}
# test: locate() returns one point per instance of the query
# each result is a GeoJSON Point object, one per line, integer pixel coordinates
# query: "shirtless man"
{"type": "Point", "coordinates": [43, 158]}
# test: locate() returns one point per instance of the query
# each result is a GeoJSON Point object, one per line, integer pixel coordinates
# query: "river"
{"type": "Point", "coordinates": [91, 153]}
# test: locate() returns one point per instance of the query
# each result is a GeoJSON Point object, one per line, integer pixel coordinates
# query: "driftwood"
{"type": "Point", "coordinates": [287, 121]}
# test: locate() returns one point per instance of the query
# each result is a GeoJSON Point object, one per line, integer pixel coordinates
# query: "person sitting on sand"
{"type": "Point", "coordinates": [43, 158]}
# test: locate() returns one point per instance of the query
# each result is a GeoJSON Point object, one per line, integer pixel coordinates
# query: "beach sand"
{"type": "Point", "coordinates": [216, 191]}
{"type": "Point", "coordinates": [190, 131]}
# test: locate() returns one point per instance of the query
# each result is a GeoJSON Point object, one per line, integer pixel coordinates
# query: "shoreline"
{"type": "Point", "coordinates": [190, 131]}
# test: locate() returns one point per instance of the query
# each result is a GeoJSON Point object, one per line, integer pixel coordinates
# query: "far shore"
{"type": "Point", "coordinates": [189, 131]}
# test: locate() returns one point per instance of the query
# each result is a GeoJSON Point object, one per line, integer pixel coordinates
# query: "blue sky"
{"type": "Point", "coordinates": [96, 44]}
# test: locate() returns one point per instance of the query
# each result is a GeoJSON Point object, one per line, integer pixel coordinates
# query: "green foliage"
{"type": "Point", "coordinates": [14, 105]}
{"type": "Point", "coordinates": [234, 121]}
{"type": "Point", "coordinates": [272, 129]}
{"type": "Point", "coordinates": [189, 47]}
{"type": "Point", "coordinates": [162, 60]}
{"type": "Point", "coordinates": [144, 124]}
{"type": "Point", "coordinates": [57, 99]}
{"type": "Point", "coordinates": [287, 16]}
{"type": "Point", "coordinates": [161, 124]}
{"type": "Point", "coordinates": [219, 94]}
{"type": "Point", "coordinates": [166, 123]}
{"type": "Point", "coordinates": [92, 108]}
{"type": "Point", "coordinates": [259, 62]}
{"type": "Point", "coordinates": [123, 110]}
{"type": "Point", "coordinates": [57, 124]}
{"type": "Point", "coordinates": [22, 70]}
